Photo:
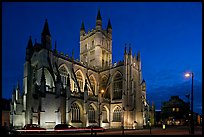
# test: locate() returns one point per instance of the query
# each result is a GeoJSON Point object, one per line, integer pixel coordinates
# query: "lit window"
{"type": "Point", "coordinates": [75, 113]}
{"type": "Point", "coordinates": [64, 75]}
{"type": "Point", "coordinates": [91, 114]}
{"type": "Point", "coordinates": [173, 109]}
{"type": "Point", "coordinates": [177, 109]}
{"type": "Point", "coordinates": [80, 82]}
{"type": "Point", "coordinates": [93, 43]}
{"type": "Point", "coordinates": [117, 115]}
{"type": "Point", "coordinates": [117, 86]}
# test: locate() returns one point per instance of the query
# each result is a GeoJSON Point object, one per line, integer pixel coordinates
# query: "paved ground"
{"type": "Point", "coordinates": [154, 131]}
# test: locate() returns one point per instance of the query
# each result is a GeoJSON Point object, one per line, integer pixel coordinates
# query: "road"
{"type": "Point", "coordinates": [154, 131]}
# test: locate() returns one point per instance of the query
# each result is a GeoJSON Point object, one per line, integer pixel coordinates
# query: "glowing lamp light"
{"type": "Point", "coordinates": [187, 75]}
{"type": "Point", "coordinates": [102, 91]}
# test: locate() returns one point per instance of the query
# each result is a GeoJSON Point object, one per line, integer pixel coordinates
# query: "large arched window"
{"type": "Point", "coordinates": [117, 86]}
{"type": "Point", "coordinates": [91, 114]}
{"type": "Point", "coordinates": [75, 113]}
{"type": "Point", "coordinates": [104, 115]}
{"type": "Point", "coordinates": [80, 81]}
{"type": "Point", "coordinates": [117, 114]}
{"type": "Point", "coordinates": [64, 75]}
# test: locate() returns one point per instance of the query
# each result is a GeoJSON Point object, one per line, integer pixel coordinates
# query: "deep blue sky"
{"type": "Point", "coordinates": [168, 35]}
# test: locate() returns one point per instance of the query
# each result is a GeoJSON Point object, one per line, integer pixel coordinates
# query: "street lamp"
{"type": "Point", "coordinates": [99, 113]}
{"type": "Point", "coordinates": [192, 121]}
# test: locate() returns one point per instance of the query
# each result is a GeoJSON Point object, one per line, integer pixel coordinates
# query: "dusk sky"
{"type": "Point", "coordinates": [168, 36]}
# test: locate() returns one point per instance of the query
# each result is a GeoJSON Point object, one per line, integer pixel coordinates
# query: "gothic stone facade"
{"type": "Point", "coordinates": [58, 89]}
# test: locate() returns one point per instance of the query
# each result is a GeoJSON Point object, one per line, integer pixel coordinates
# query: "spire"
{"type": "Point", "coordinates": [55, 49]}
{"type": "Point", "coordinates": [29, 49]}
{"type": "Point", "coordinates": [46, 29]}
{"type": "Point", "coordinates": [130, 50]}
{"type": "Point", "coordinates": [99, 15]}
{"type": "Point", "coordinates": [138, 56]}
{"type": "Point", "coordinates": [125, 49]}
{"type": "Point", "coordinates": [98, 21]}
{"type": "Point", "coordinates": [109, 24]}
{"type": "Point", "coordinates": [46, 37]}
{"type": "Point", "coordinates": [82, 29]}
{"type": "Point", "coordinates": [30, 43]}
{"type": "Point", "coordinates": [18, 85]}
{"type": "Point", "coordinates": [82, 26]}
{"type": "Point", "coordinates": [143, 81]}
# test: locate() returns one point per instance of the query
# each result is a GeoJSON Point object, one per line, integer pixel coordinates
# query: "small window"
{"type": "Point", "coordinates": [86, 47]}
{"type": "Point", "coordinates": [173, 109]}
{"type": "Point", "coordinates": [93, 43]}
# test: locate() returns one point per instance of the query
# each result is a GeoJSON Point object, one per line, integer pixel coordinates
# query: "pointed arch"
{"type": "Point", "coordinates": [80, 80]}
{"type": "Point", "coordinates": [92, 113]}
{"type": "Point", "coordinates": [117, 111]}
{"type": "Point", "coordinates": [76, 111]}
{"type": "Point", "coordinates": [64, 74]}
{"type": "Point", "coordinates": [117, 85]}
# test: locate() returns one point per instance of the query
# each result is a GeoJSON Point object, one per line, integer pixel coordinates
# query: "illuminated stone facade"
{"type": "Point", "coordinates": [58, 89]}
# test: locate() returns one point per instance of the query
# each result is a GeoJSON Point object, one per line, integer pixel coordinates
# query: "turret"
{"type": "Point", "coordinates": [46, 37]}
{"type": "Point", "coordinates": [29, 49]}
{"type": "Point", "coordinates": [109, 27]}
{"type": "Point", "coordinates": [138, 56]}
{"type": "Point", "coordinates": [98, 21]}
{"type": "Point", "coordinates": [130, 51]}
{"type": "Point", "coordinates": [17, 91]}
{"type": "Point", "coordinates": [82, 29]}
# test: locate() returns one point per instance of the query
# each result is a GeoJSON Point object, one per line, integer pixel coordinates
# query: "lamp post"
{"type": "Point", "coordinates": [99, 113]}
{"type": "Point", "coordinates": [192, 121]}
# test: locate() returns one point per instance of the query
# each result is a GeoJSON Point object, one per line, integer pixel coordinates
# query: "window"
{"type": "Point", "coordinates": [80, 82]}
{"type": "Point", "coordinates": [92, 43]}
{"type": "Point", "coordinates": [173, 109]}
{"type": "Point", "coordinates": [117, 115]}
{"type": "Point", "coordinates": [177, 109]}
{"type": "Point", "coordinates": [91, 114]}
{"type": "Point", "coordinates": [92, 52]}
{"type": "Point", "coordinates": [91, 61]}
{"type": "Point", "coordinates": [64, 75]}
{"type": "Point", "coordinates": [86, 46]}
{"type": "Point", "coordinates": [104, 115]}
{"type": "Point", "coordinates": [75, 113]}
{"type": "Point", "coordinates": [117, 86]}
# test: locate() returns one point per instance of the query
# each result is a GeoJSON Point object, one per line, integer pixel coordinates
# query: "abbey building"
{"type": "Point", "coordinates": [92, 91]}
